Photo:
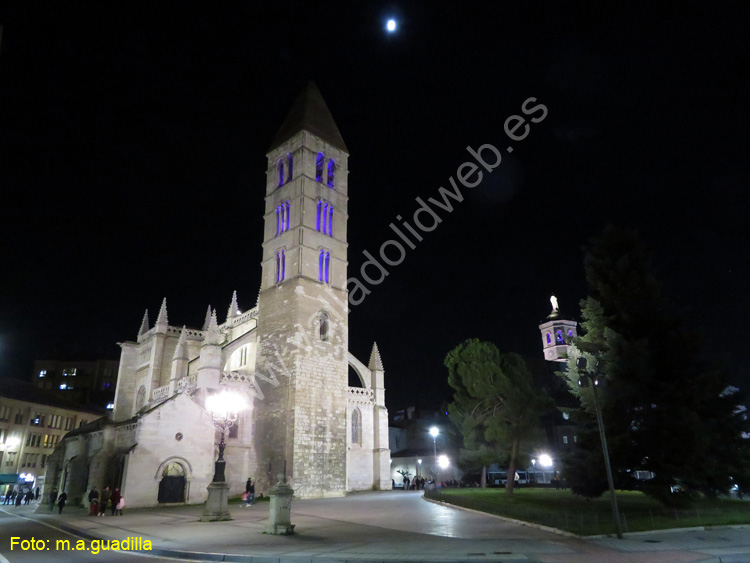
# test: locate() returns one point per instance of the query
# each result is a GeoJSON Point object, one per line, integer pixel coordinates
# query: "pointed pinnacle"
{"type": "Point", "coordinates": [181, 349]}
{"type": "Point", "coordinates": [144, 324]}
{"type": "Point", "coordinates": [213, 324]}
{"type": "Point", "coordinates": [207, 320]}
{"type": "Point", "coordinates": [162, 318]}
{"type": "Point", "coordinates": [375, 362]}
{"type": "Point", "coordinates": [233, 307]}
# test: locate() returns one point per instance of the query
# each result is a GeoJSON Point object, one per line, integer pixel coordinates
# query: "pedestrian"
{"type": "Point", "coordinates": [104, 500]}
{"type": "Point", "coordinates": [421, 483]}
{"type": "Point", "coordinates": [29, 497]}
{"type": "Point", "coordinates": [52, 499]}
{"type": "Point", "coordinates": [19, 498]}
{"type": "Point", "coordinates": [61, 501]}
{"type": "Point", "coordinates": [114, 500]}
{"type": "Point", "coordinates": [120, 505]}
{"type": "Point", "coordinates": [93, 502]}
{"type": "Point", "coordinates": [36, 497]}
{"type": "Point", "coordinates": [7, 495]}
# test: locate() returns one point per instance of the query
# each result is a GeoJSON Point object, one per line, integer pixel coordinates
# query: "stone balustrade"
{"type": "Point", "coordinates": [360, 395]}
{"type": "Point", "coordinates": [160, 394]}
{"type": "Point", "coordinates": [125, 435]}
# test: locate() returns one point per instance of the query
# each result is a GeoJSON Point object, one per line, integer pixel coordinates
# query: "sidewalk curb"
{"type": "Point", "coordinates": [507, 519]}
{"type": "Point", "coordinates": [675, 531]}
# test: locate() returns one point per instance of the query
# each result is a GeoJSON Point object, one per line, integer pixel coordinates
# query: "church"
{"type": "Point", "coordinates": [288, 357]}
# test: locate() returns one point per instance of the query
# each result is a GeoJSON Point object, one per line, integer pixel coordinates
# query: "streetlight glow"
{"type": "Point", "coordinates": [224, 404]}
{"type": "Point", "coordinates": [443, 461]}
{"type": "Point", "coordinates": [434, 431]}
{"type": "Point", "coordinates": [391, 25]}
{"type": "Point", "coordinates": [545, 460]}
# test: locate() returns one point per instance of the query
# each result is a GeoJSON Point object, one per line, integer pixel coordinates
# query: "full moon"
{"type": "Point", "coordinates": [391, 25]}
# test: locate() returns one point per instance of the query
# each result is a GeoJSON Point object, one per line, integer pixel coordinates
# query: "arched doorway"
{"type": "Point", "coordinates": [172, 484]}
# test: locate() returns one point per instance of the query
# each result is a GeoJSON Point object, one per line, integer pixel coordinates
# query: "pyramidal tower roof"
{"type": "Point", "coordinates": [375, 361]}
{"type": "Point", "coordinates": [310, 113]}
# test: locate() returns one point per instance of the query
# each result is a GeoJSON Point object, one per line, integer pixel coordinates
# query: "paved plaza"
{"type": "Point", "coordinates": [386, 526]}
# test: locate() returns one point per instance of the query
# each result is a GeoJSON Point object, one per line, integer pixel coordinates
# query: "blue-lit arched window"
{"type": "Point", "coordinates": [280, 170]}
{"type": "Point", "coordinates": [549, 338]}
{"type": "Point", "coordinates": [319, 162]}
{"type": "Point", "coordinates": [331, 172]}
{"type": "Point", "coordinates": [289, 167]}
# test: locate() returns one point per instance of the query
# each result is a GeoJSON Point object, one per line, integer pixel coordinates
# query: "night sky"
{"type": "Point", "coordinates": [132, 164]}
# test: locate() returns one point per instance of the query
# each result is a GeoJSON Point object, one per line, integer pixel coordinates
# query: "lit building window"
{"type": "Point", "coordinates": [559, 336]}
{"type": "Point", "coordinates": [289, 167]}
{"type": "Point", "coordinates": [280, 265]}
{"type": "Point", "coordinates": [280, 169]}
{"type": "Point", "coordinates": [43, 373]}
{"type": "Point", "coordinates": [331, 172]}
{"type": "Point", "coordinates": [63, 386]}
{"type": "Point", "coordinates": [565, 439]}
{"type": "Point", "coordinates": [319, 162]}
{"type": "Point", "coordinates": [282, 217]}
{"type": "Point", "coordinates": [324, 221]}
{"type": "Point", "coordinates": [324, 266]}
{"type": "Point", "coordinates": [549, 338]}
{"type": "Point", "coordinates": [110, 406]}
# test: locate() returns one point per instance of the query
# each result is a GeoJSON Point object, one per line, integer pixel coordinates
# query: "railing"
{"type": "Point", "coordinates": [187, 382]}
{"type": "Point", "coordinates": [189, 332]}
{"type": "Point", "coordinates": [125, 435]}
{"type": "Point", "coordinates": [239, 319]}
{"type": "Point", "coordinates": [236, 377]}
{"type": "Point", "coordinates": [360, 394]}
{"type": "Point", "coordinates": [160, 394]}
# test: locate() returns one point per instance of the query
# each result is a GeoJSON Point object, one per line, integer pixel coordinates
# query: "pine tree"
{"type": "Point", "coordinates": [495, 404]}
{"type": "Point", "coordinates": [664, 408]}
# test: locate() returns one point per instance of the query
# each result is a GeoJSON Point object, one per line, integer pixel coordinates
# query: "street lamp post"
{"type": "Point", "coordinates": [583, 381]}
{"type": "Point", "coordinates": [434, 431]}
{"type": "Point", "coordinates": [224, 408]}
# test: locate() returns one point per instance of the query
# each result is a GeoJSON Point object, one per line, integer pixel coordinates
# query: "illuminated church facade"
{"type": "Point", "coordinates": [288, 357]}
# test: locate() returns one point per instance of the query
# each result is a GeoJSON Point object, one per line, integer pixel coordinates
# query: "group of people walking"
{"type": "Point", "coordinates": [19, 497]}
{"type": "Point", "coordinates": [99, 502]}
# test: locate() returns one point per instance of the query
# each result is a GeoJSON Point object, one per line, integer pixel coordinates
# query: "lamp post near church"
{"type": "Point", "coordinates": [583, 381]}
{"type": "Point", "coordinates": [434, 431]}
{"type": "Point", "coordinates": [225, 408]}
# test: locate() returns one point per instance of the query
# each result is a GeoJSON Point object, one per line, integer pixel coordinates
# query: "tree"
{"type": "Point", "coordinates": [666, 410]}
{"type": "Point", "coordinates": [495, 404]}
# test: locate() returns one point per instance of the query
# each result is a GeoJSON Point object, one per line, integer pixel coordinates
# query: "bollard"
{"type": "Point", "coordinates": [279, 514]}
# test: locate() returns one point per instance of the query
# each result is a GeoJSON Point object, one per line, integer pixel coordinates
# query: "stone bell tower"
{"type": "Point", "coordinates": [557, 334]}
{"type": "Point", "coordinates": [303, 329]}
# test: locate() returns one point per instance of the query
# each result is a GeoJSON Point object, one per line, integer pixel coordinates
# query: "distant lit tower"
{"type": "Point", "coordinates": [557, 334]}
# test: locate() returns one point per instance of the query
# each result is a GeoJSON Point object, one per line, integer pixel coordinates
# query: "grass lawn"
{"type": "Point", "coordinates": [566, 511]}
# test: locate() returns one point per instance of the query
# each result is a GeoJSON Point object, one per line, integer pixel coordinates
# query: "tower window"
{"type": "Point", "coordinates": [356, 423]}
{"type": "Point", "coordinates": [331, 171]}
{"type": "Point", "coordinates": [280, 265]}
{"type": "Point", "coordinates": [324, 266]}
{"type": "Point", "coordinates": [570, 333]}
{"type": "Point", "coordinates": [280, 170]}
{"type": "Point", "coordinates": [289, 167]}
{"type": "Point", "coordinates": [324, 221]}
{"type": "Point", "coordinates": [319, 161]}
{"type": "Point", "coordinates": [324, 326]}
{"type": "Point", "coordinates": [559, 336]}
{"type": "Point", "coordinates": [282, 217]}
{"type": "Point", "coordinates": [549, 338]}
